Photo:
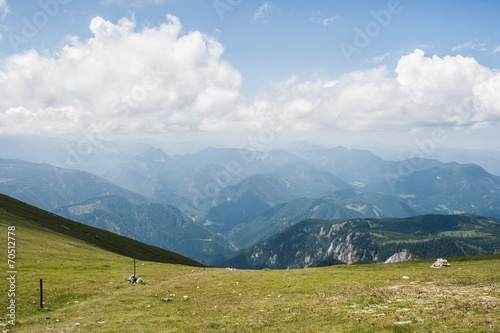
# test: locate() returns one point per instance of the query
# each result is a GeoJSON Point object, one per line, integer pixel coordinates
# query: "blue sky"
{"type": "Point", "coordinates": [373, 70]}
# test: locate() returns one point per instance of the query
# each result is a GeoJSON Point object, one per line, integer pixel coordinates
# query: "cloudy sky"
{"type": "Point", "coordinates": [240, 71]}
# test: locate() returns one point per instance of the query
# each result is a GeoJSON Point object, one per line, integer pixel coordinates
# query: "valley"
{"type": "Point", "coordinates": [216, 203]}
{"type": "Point", "coordinates": [85, 289]}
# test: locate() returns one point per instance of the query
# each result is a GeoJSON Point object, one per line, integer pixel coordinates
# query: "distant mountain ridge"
{"type": "Point", "coordinates": [451, 188]}
{"type": "Point", "coordinates": [49, 187]}
{"type": "Point", "coordinates": [232, 198]}
{"type": "Point", "coordinates": [319, 242]}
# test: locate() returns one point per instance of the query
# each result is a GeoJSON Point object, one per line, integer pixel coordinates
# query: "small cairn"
{"type": "Point", "coordinates": [440, 262]}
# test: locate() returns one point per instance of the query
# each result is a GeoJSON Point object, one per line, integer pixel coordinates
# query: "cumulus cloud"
{"type": "Point", "coordinates": [450, 91]}
{"type": "Point", "coordinates": [497, 49]}
{"type": "Point", "coordinates": [154, 79]}
{"type": "Point", "coordinates": [158, 80]}
{"type": "Point", "coordinates": [453, 91]}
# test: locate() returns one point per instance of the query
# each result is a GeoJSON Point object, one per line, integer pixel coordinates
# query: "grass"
{"type": "Point", "coordinates": [85, 290]}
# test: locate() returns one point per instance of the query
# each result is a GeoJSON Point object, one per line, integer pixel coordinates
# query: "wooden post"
{"type": "Point", "coordinates": [41, 294]}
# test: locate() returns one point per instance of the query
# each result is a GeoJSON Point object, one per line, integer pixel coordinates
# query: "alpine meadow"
{"type": "Point", "coordinates": [249, 166]}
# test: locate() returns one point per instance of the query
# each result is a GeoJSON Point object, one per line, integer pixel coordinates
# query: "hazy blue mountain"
{"type": "Point", "coordinates": [362, 167]}
{"type": "Point", "coordinates": [371, 204]}
{"type": "Point", "coordinates": [201, 187]}
{"type": "Point", "coordinates": [487, 159]}
{"type": "Point", "coordinates": [293, 180]}
{"type": "Point", "coordinates": [450, 188]}
{"type": "Point", "coordinates": [319, 242]}
{"type": "Point", "coordinates": [49, 187]}
{"type": "Point", "coordinates": [343, 204]}
{"type": "Point", "coordinates": [192, 181]}
{"type": "Point", "coordinates": [300, 147]}
{"type": "Point", "coordinates": [308, 181]}
{"type": "Point", "coordinates": [241, 162]}
{"type": "Point", "coordinates": [238, 204]}
{"type": "Point", "coordinates": [283, 216]}
{"type": "Point", "coordinates": [91, 153]}
{"type": "Point", "coordinates": [227, 215]}
{"type": "Point", "coordinates": [151, 173]}
{"type": "Point", "coordinates": [153, 223]}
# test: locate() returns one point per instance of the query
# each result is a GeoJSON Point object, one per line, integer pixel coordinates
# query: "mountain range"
{"type": "Point", "coordinates": [321, 242]}
{"type": "Point", "coordinates": [209, 204]}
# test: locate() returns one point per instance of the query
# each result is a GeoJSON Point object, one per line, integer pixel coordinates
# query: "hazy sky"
{"type": "Point", "coordinates": [240, 71]}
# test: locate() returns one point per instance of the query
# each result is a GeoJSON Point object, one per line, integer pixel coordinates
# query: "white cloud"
{"type": "Point", "coordinates": [260, 12]}
{"type": "Point", "coordinates": [450, 92]}
{"type": "Point", "coordinates": [470, 45]}
{"type": "Point", "coordinates": [330, 20]}
{"type": "Point", "coordinates": [158, 80]}
{"type": "Point", "coordinates": [154, 79]}
{"type": "Point", "coordinates": [380, 58]}
{"type": "Point", "coordinates": [497, 49]}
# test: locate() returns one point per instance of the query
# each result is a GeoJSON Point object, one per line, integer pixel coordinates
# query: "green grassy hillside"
{"type": "Point", "coordinates": [27, 216]}
{"type": "Point", "coordinates": [85, 290]}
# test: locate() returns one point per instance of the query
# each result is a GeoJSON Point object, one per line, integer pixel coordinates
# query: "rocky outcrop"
{"type": "Point", "coordinates": [402, 256]}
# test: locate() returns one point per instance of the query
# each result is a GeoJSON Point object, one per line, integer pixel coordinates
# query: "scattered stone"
{"type": "Point", "coordinates": [47, 317]}
{"type": "Point", "coordinates": [166, 299]}
{"type": "Point", "coordinates": [406, 277]}
{"type": "Point", "coordinates": [440, 262]}
{"type": "Point", "coordinates": [185, 297]}
{"type": "Point", "coordinates": [77, 324]}
{"type": "Point", "coordinates": [134, 279]}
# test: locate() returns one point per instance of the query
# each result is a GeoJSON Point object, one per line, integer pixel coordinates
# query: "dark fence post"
{"type": "Point", "coordinates": [41, 294]}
